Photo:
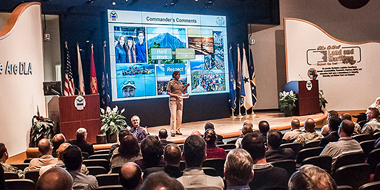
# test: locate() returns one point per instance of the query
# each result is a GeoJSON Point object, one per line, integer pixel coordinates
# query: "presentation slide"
{"type": "Point", "coordinates": [147, 47]}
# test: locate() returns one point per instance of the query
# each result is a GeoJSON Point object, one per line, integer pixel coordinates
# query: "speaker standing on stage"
{"type": "Point", "coordinates": [175, 89]}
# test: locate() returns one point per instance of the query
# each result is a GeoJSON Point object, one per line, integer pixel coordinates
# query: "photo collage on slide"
{"type": "Point", "coordinates": [146, 57]}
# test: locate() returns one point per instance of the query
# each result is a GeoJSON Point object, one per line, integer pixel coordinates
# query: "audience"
{"type": "Point", "coordinates": [57, 140]}
{"type": "Point", "coordinates": [253, 143]}
{"type": "Point", "coordinates": [2, 180]}
{"type": "Point", "coordinates": [310, 135]}
{"type": "Point", "coordinates": [163, 134]}
{"type": "Point", "coordinates": [81, 141]}
{"type": "Point", "coordinates": [344, 145]}
{"type": "Point", "coordinates": [152, 151]}
{"type": "Point", "coordinates": [44, 147]}
{"type": "Point", "coordinates": [325, 129]}
{"type": "Point", "coordinates": [212, 151]}
{"type": "Point", "coordinates": [376, 104]}
{"type": "Point", "coordinates": [55, 179]}
{"type": "Point", "coordinates": [136, 130]}
{"type": "Point", "coordinates": [122, 134]}
{"type": "Point", "coordinates": [373, 123]}
{"type": "Point", "coordinates": [333, 124]}
{"type": "Point", "coordinates": [294, 132]}
{"type": "Point", "coordinates": [210, 125]}
{"type": "Point", "coordinates": [247, 128]}
{"type": "Point", "coordinates": [275, 152]}
{"type": "Point", "coordinates": [130, 176]}
{"type": "Point", "coordinates": [128, 151]}
{"type": "Point", "coordinates": [238, 169]}
{"type": "Point", "coordinates": [161, 181]}
{"type": "Point", "coordinates": [264, 128]}
{"type": "Point", "coordinates": [311, 177]}
{"type": "Point", "coordinates": [193, 177]}
{"type": "Point", "coordinates": [358, 128]}
{"type": "Point", "coordinates": [72, 157]}
{"type": "Point", "coordinates": [7, 167]}
{"type": "Point", "coordinates": [196, 133]}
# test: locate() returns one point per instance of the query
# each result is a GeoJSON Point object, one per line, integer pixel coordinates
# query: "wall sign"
{"type": "Point", "coordinates": [22, 68]}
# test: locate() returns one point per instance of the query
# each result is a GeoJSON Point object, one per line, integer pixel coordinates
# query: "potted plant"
{"type": "Point", "coordinates": [287, 102]}
{"type": "Point", "coordinates": [112, 122]}
{"type": "Point", "coordinates": [41, 128]}
{"type": "Point", "coordinates": [322, 100]}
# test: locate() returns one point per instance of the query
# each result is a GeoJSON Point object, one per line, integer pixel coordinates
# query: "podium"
{"type": "Point", "coordinates": [307, 95]}
{"type": "Point", "coordinates": [71, 119]}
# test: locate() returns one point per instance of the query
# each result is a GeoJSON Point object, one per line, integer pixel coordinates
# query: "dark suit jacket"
{"type": "Point", "coordinates": [279, 154]}
{"type": "Point", "coordinates": [165, 142]}
{"type": "Point", "coordinates": [332, 137]}
{"type": "Point", "coordinates": [84, 146]}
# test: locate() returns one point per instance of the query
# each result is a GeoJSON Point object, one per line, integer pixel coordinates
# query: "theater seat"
{"type": "Point", "coordinates": [96, 170]}
{"type": "Point", "coordinates": [367, 146]}
{"type": "Point", "coordinates": [373, 159]}
{"type": "Point", "coordinates": [217, 164]}
{"type": "Point", "coordinates": [370, 186]}
{"type": "Point", "coordinates": [312, 144]}
{"type": "Point", "coordinates": [19, 184]}
{"type": "Point", "coordinates": [97, 162]}
{"type": "Point", "coordinates": [349, 158]}
{"type": "Point", "coordinates": [107, 179]}
{"type": "Point", "coordinates": [353, 175]}
{"type": "Point", "coordinates": [296, 147]}
{"type": "Point", "coordinates": [323, 162]}
{"type": "Point", "coordinates": [111, 187]}
{"type": "Point", "coordinates": [308, 152]}
{"type": "Point", "coordinates": [288, 165]}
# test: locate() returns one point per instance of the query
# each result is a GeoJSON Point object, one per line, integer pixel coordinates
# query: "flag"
{"type": "Point", "coordinates": [239, 73]}
{"type": "Point", "coordinates": [252, 76]}
{"type": "Point", "coordinates": [94, 82]}
{"type": "Point", "coordinates": [69, 81]}
{"type": "Point", "coordinates": [246, 84]}
{"type": "Point", "coordinates": [232, 80]}
{"type": "Point", "coordinates": [105, 97]}
{"type": "Point", "coordinates": [80, 72]}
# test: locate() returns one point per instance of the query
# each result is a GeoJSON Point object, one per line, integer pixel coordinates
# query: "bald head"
{"type": "Point", "coordinates": [130, 176]}
{"type": "Point", "coordinates": [57, 140]}
{"type": "Point", "coordinates": [172, 154]}
{"type": "Point", "coordinates": [247, 123]}
{"type": "Point", "coordinates": [196, 133]}
{"type": "Point", "coordinates": [44, 146]}
{"type": "Point", "coordinates": [55, 178]}
{"type": "Point", "coordinates": [62, 148]}
{"type": "Point", "coordinates": [296, 124]}
{"type": "Point", "coordinates": [346, 128]}
{"type": "Point", "coordinates": [310, 125]}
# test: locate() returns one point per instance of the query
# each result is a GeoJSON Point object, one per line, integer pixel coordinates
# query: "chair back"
{"type": "Point", "coordinates": [108, 179]}
{"type": "Point", "coordinates": [231, 141]}
{"type": "Point", "coordinates": [373, 159]}
{"type": "Point", "coordinates": [361, 137]}
{"type": "Point", "coordinates": [353, 175]}
{"type": "Point", "coordinates": [370, 186]}
{"type": "Point", "coordinates": [99, 156]}
{"type": "Point", "coordinates": [97, 162]}
{"type": "Point", "coordinates": [344, 187]}
{"type": "Point", "coordinates": [323, 162]}
{"type": "Point", "coordinates": [116, 170]}
{"type": "Point", "coordinates": [110, 187]}
{"type": "Point", "coordinates": [376, 135]}
{"type": "Point", "coordinates": [27, 160]}
{"type": "Point", "coordinates": [217, 164]}
{"type": "Point", "coordinates": [312, 144]}
{"type": "Point", "coordinates": [33, 175]}
{"type": "Point", "coordinates": [209, 171]}
{"type": "Point", "coordinates": [102, 151]}
{"type": "Point", "coordinates": [10, 175]}
{"type": "Point", "coordinates": [288, 165]}
{"type": "Point", "coordinates": [19, 184]}
{"type": "Point", "coordinates": [349, 158]}
{"type": "Point", "coordinates": [85, 155]}
{"type": "Point", "coordinates": [96, 170]}
{"type": "Point", "coordinates": [227, 146]}
{"type": "Point", "coordinates": [21, 166]}
{"type": "Point", "coordinates": [367, 146]}
{"type": "Point", "coordinates": [182, 165]}
{"type": "Point", "coordinates": [308, 152]}
{"type": "Point", "coordinates": [296, 147]}
{"type": "Point", "coordinates": [376, 176]}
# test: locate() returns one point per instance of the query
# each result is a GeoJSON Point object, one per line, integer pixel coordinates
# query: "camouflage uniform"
{"type": "Point", "coordinates": [308, 137]}
{"type": "Point", "coordinates": [10, 168]}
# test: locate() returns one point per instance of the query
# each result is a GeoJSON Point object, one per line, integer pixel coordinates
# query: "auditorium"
{"type": "Point", "coordinates": [112, 94]}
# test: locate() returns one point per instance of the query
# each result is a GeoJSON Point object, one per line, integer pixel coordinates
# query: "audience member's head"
{"type": "Point", "coordinates": [129, 147]}
{"type": "Point", "coordinates": [135, 121]}
{"type": "Point", "coordinates": [254, 144]}
{"type": "Point", "coordinates": [309, 125]}
{"type": "Point", "coordinates": [209, 125]}
{"type": "Point", "coordinates": [72, 157]}
{"type": "Point", "coordinates": [247, 128]}
{"type": "Point", "coordinates": [264, 127]}
{"type": "Point", "coordinates": [161, 181]}
{"type": "Point", "coordinates": [172, 154]}
{"type": "Point", "coordinates": [81, 134]}
{"type": "Point", "coordinates": [57, 140]}
{"type": "Point", "coordinates": [238, 168]}
{"type": "Point", "coordinates": [346, 128]}
{"type": "Point", "coordinates": [44, 146]}
{"type": "Point", "coordinates": [60, 150]}
{"type": "Point", "coordinates": [3, 152]}
{"type": "Point", "coordinates": [130, 176]}
{"type": "Point", "coordinates": [163, 133]}
{"type": "Point", "coordinates": [372, 113]}
{"type": "Point", "coordinates": [210, 138]}
{"type": "Point", "coordinates": [152, 150]}
{"type": "Point", "coordinates": [196, 133]}
{"type": "Point", "coordinates": [274, 138]}
{"type": "Point", "coordinates": [122, 134]}
{"type": "Point", "coordinates": [295, 124]}
{"type": "Point", "coordinates": [334, 123]}
{"type": "Point", "coordinates": [344, 116]}
{"type": "Point", "coordinates": [311, 177]}
{"type": "Point", "coordinates": [194, 151]}
{"type": "Point", "coordinates": [55, 178]}
{"type": "Point", "coordinates": [332, 113]}
{"type": "Point", "coordinates": [248, 123]}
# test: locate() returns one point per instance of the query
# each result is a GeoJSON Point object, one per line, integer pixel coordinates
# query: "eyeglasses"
{"type": "Point", "coordinates": [129, 82]}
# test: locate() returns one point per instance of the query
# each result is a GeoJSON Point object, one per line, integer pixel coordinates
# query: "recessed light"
{"type": "Point", "coordinates": [114, 3]}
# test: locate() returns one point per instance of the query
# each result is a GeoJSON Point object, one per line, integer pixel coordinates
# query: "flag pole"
{"type": "Point", "coordinates": [239, 71]}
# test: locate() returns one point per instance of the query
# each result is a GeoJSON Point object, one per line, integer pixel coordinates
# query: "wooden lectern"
{"type": "Point", "coordinates": [71, 119]}
{"type": "Point", "coordinates": [307, 95]}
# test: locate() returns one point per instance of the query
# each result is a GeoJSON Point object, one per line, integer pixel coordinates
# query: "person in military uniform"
{"type": "Point", "coordinates": [8, 167]}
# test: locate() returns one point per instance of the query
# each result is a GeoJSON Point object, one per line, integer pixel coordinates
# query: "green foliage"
{"type": "Point", "coordinates": [287, 100]}
{"type": "Point", "coordinates": [322, 100]}
{"type": "Point", "coordinates": [112, 120]}
{"type": "Point", "coordinates": [41, 128]}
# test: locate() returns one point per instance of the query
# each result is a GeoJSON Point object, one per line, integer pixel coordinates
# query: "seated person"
{"type": "Point", "coordinates": [210, 125]}
{"type": "Point", "coordinates": [264, 128]}
{"type": "Point", "coordinates": [247, 128]}
{"type": "Point", "coordinates": [334, 123]}
{"type": "Point", "coordinates": [55, 178]}
{"type": "Point", "coordinates": [122, 134]}
{"type": "Point", "coordinates": [311, 177]}
{"type": "Point", "coordinates": [373, 122]}
{"type": "Point", "coordinates": [310, 135]}
{"type": "Point", "coordinates": [152, 151]}
{"type": "Point", "coordinates": [57, 140]}
{"type": "Point", "coordinates": [45, 148]}
{"type": "Point", "coordinates": [163, 134]}
{"type": "Point", "coordinates": [238, 170]}
{"type": "Point", "coordinates": [358, 128]}
{"type": "Point", "coordinates": [82, 143]}
{"type": "Point", "coordinates": [325, 129]}
{"type": "Point", "coordinates": [275, 152]}
{"type": "Point", "coordinates": [294, 132]}
{"type": "Point", "coordinates": [212, 150]}
{"type": "Point", "coordinates": [161, 181]}
{"type": "Point", "coordinates": [129, 151]}
{"type": "Point", "coordinates": [136, 130]}
{"type": "Point", "coordinates": [130, 176]}
{"type": "Point", "coordinates": [7, 167]}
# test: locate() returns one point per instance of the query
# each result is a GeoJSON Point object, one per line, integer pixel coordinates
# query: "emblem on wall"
{"type": "Point", "coordinates": [80, 103]}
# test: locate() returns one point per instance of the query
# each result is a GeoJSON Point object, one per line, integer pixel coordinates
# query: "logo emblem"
{"type": "Point", "coordinates": [80, 103]}
{"type": "Point", "coordinates": [220, 21]}
{"type": "Point", "coordinates": [113, 15]}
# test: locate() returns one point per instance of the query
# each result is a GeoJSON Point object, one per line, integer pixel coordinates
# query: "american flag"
{"type": "Point", "coordinates": [69, 81]}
